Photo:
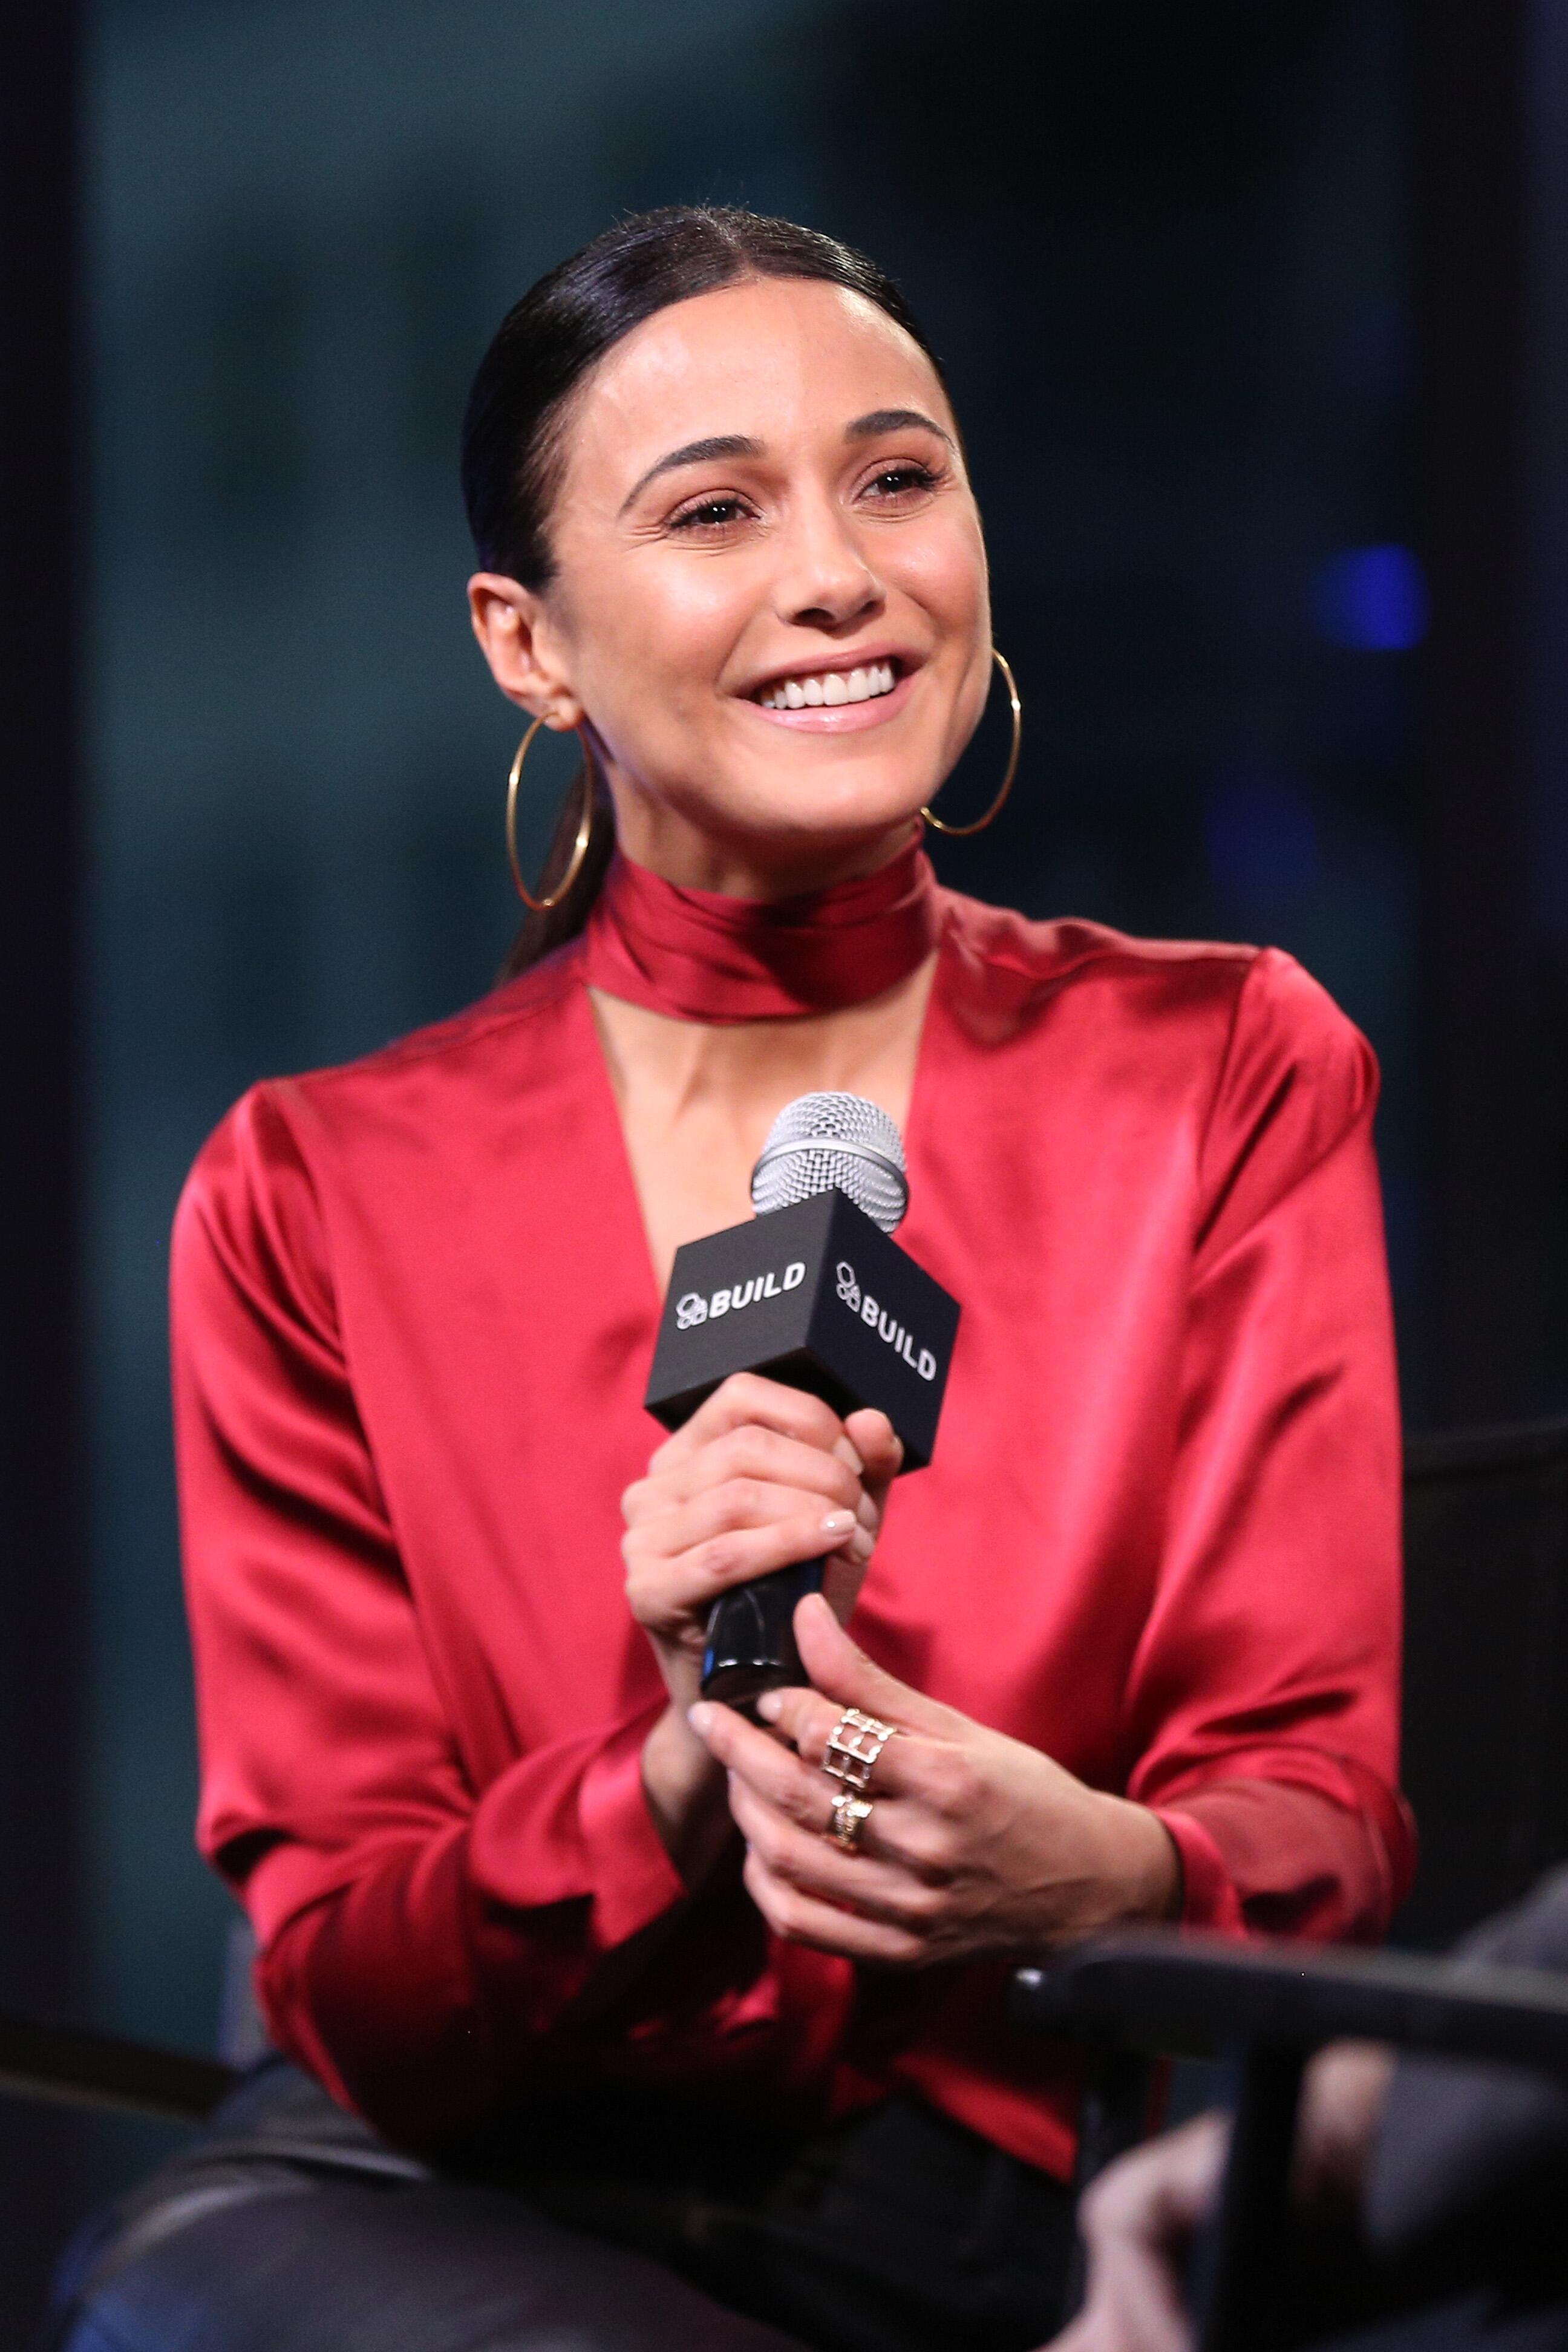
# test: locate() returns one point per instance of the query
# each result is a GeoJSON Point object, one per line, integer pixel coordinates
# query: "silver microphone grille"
{"type": "Point", "coordinates": [821, 1140]}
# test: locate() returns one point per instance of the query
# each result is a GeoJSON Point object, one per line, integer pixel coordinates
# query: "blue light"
{"type": "Point", "coordinates": [1374, 599]}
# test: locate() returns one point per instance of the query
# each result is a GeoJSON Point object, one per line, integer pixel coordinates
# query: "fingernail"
{"type": "Point", "coordinates": [837, 1523]}
{"type": "Point", "coordinates": [770, 1706]}
{"type": "Point", "coordinates": [700, 1717]}
{"type": "Point", "coordinates": [866, 1512]}
{"type": "Point", "coordinates": [862, 1543]}
{"type": "Point", "coordinates": [847, 1453]}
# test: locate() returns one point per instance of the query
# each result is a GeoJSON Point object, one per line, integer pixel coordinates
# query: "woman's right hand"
{"type": "Point", "coordinates": [760, 1477]}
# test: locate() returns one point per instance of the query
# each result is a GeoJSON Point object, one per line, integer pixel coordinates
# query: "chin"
{"type": "Point", "coordinates": [828, 808]}
{"type": "Point", "coordinates": [842, 824]}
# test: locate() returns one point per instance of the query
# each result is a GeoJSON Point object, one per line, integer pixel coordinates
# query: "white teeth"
{"type": "Point", "coordinates": [830, 687]}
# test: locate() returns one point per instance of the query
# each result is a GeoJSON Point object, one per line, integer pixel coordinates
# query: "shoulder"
{"type": "Point", "coordinates": [258, 1177]}
{"type": "Point", "coordinates": [504, 1039]}
{"type": "Point", "coordinates": [1257, 998]}
{"type": "Point", "coordinates": [1002, 942]}
{"type": "Point", "coordinates": [1240, 1046]}
{"type": "Point", "coordinates": [508, 1030]}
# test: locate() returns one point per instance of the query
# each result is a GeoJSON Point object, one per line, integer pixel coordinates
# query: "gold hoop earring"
{"type": "Point", "coordinates": [994, 810]}
{"type": "Point", "coordinates": [585, 826]}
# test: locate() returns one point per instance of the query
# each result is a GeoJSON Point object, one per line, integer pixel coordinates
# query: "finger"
{"type": "Point", "coordinates": [775, 1771]}
{"type": "Point", "coordinates": [843, 1573]}
{"type": "Point", "coordinates": [1143, 2305]}
{"type": "Point", "coordinates": [807, 1721]}
{"type": "Point", "coordinates": [932, 1775]}
{"type": "Point", "coordinates": [664, 1593]}
{"type": "Point", "coordinates": [1083, 2336]}
{"type": "Point", "coordinates": [750, 1452]}
{"type": "Point", "coordinates": [871, 1878]}
{"type": "Point", "coordinates": [1344, 2097]}
{"type": "Point", "coordinates": [863, 1881]}
{"type": "Point", "coordinates": [1136, 2219]}
{"type": "Point", "coordinates": [802, 1918]}
{"type": "Point", "coordinates": [747, 1397]}
{"type": "Point", "coordinates": [843, 1672]}
{"type": "Point", "coordinates": [804, 1719]}
{"type": "Point", "coordinates": [897, 1833]}
{"type": "Point", "coordinates": [877, 1443]}
{"type": "Point", "coordinates": [743, 1502]}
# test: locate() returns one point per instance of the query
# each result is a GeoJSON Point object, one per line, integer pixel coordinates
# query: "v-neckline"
{"type": "Point", "coordinates": [608, 1112]}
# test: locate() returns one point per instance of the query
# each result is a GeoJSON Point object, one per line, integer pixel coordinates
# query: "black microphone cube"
{"type": "Point", "coordinates": [816, 1295]}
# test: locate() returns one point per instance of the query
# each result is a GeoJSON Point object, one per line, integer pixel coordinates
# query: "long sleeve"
{"type": "Point", "coordinates": [1263, 1700]}
{"type": "Point", "coordinates": [422, 1938]}
{"type": "Point", "coordinates": [1158, 1539]}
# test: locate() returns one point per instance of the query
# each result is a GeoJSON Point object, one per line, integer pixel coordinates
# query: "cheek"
{"type": "Point", "coordinates": [943, 568]}
{"type": "Point", "coordinates": [663, 634]}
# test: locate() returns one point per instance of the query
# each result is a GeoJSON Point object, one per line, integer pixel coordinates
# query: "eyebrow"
{"type": "Point", "coordinates": [742, 445]}
{"type": "Point", "coordinates": [697, 453]}
{"type": "Point", "coordinates": [891, 420]}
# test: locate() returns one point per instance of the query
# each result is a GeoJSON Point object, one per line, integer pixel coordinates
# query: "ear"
{"type": "Point", "coordinates": [521, 645]}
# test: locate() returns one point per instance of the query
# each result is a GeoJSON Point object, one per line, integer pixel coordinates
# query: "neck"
{"type": "Point", "coordinates": [753, 1067]}
{"type": "Point", "coordinates": [715, 1010]}
{"type": "Point", "coordinates": [697, 1098]}
{"type": "Point", "coordinates": [703, 955]}
{"type": "Point", "coordinates": [761, 871]}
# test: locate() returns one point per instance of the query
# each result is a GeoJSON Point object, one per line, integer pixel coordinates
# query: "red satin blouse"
{"type": "Point", "coordinates": [414, 1319]}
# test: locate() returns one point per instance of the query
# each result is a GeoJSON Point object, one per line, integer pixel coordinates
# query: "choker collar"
{"type": "Point", "coordinates": [699, 956]}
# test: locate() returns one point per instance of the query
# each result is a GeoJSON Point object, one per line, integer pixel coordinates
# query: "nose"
{"type": "Point", "coordinates": [823, 581]}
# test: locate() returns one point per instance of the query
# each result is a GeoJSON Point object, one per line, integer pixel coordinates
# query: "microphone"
{"type": "Point", "coordinates": [817, 1294]}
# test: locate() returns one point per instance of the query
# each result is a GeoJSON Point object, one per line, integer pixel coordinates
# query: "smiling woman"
{"type": "Point", "coordinates": [758, 498]}
{"type": "Point", "coordinates": [1127, 1649]}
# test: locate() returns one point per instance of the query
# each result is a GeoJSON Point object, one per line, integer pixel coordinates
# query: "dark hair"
{"type": "Point", "coordinates": [513, 440]}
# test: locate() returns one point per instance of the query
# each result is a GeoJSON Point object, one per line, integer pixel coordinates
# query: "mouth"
{"type": "Point", "coordinates": [830, 690]}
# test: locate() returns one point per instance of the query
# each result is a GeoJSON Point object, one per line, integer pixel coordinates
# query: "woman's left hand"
{"type": "Point", "coordinates": [976, 1843]}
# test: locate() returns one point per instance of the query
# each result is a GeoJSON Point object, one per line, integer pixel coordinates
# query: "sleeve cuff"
{"type": "Point", "coordinates": [1209, 1896]}
{"type": "Point", "coordinates": [633, 1878]}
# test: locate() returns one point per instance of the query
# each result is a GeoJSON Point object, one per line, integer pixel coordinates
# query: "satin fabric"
{"type": "Point", "coordinates": [413, 1314]}
{"type": "Point", "coordinates": [699, 956]}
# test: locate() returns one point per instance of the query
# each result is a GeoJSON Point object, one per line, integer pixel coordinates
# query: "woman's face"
{"type": "Point", "coordinates": [769, 601]}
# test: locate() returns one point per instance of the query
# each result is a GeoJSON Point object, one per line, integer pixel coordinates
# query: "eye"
{"type": "Point", "coordinates": [902, 482]}
{"type": "Point", "coordinates": [718, 512]}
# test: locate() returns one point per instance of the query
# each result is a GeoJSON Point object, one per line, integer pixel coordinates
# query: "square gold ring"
{"type": "Point", "coordinates": [854, 1744]}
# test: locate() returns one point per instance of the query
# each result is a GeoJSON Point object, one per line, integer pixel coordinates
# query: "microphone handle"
{"type": "Point", "coordinates": [750, 1636]}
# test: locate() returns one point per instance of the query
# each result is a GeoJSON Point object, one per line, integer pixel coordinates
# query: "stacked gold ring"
{"type": "Point", "coordinates": [850, 1815]}
{"type": "Point", "coordinates": [854, 1744]}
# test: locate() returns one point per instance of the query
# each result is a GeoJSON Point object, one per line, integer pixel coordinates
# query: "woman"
{"type": "Point", "coordinates": [524, 1905]}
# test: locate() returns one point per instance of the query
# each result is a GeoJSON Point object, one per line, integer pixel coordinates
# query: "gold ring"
{"type": "Point", "coordinates": [854, 1745]}
{"type": "Point", "coordinates": [850, 1815]}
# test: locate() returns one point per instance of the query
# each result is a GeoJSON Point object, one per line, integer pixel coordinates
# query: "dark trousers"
{"type": "Point", "coordinates": [1480, 2322]}
{"type": "Point", "coordinates": [605, 2226]}
{"type": "Point", "coordinates": [1462, 2242]}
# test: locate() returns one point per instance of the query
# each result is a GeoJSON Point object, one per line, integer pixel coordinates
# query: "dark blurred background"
{"type": "Point", "coordinates": [1254, 319]}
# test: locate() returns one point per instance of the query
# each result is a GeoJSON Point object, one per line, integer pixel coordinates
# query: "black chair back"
{"type": "Point", "coordinates": [1486, 1671]}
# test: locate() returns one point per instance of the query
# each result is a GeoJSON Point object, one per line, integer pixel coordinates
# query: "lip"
{"type": "Point", "coordinates": [842, 717]}
{"type": "Point", "coordinates": [862, 658]}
